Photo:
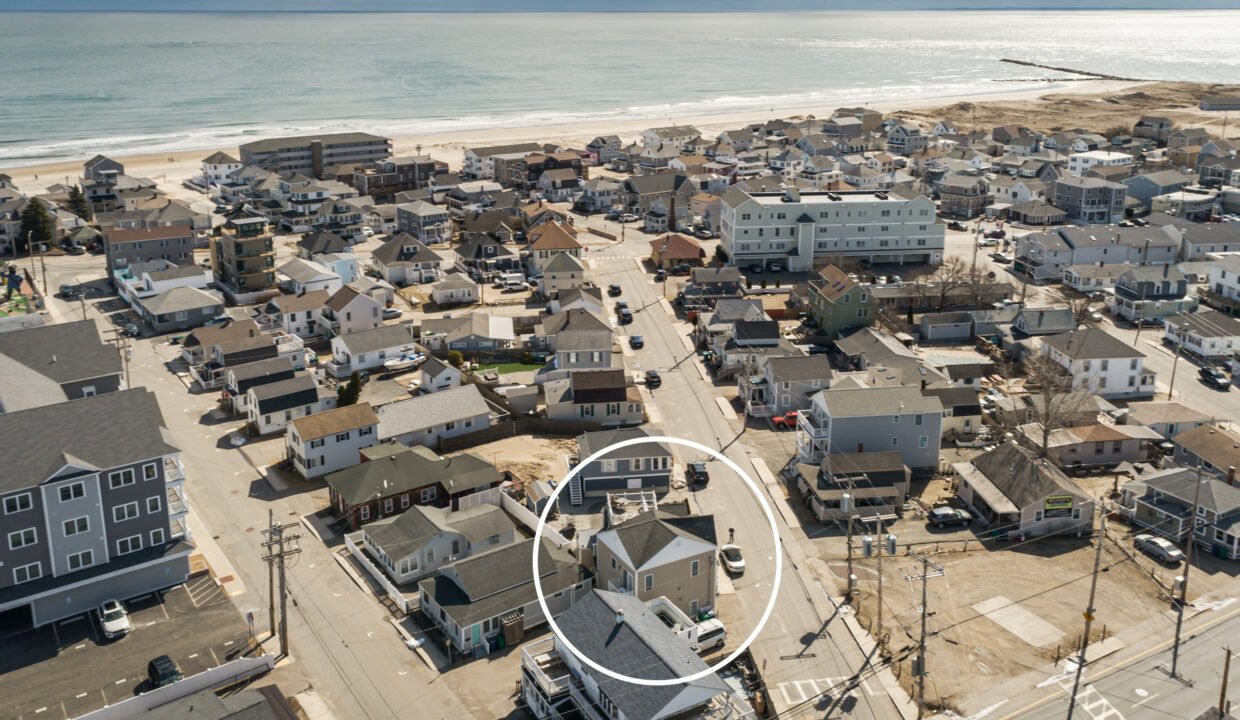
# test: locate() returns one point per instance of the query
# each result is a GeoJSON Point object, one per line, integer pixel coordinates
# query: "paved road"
{"type": "Point", "coordinates": [1142, 689]}
{"type": "Point", "coordinates": [803, 650]}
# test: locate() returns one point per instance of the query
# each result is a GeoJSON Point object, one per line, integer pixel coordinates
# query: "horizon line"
{"type": "Point", "coordinates": [309, 11]}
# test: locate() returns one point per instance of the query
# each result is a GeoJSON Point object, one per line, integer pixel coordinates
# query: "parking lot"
{"type": "Point", "coordinates": [67, 669]}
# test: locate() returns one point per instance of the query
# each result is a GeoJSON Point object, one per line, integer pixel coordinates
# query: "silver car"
{"type": "Point", "coordinates": [1161, 549]}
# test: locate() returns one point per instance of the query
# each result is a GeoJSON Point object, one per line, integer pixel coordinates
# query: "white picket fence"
{"type": "Point", "coordinates": [226, 674]}
{"type": "Point", "coordinates": [353, 542]}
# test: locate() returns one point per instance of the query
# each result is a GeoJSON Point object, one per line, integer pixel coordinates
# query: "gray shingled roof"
{"type": "Point", "coordinates": [641, 646]}
{"type": "Point", "coordinates": [1091, 343]}
{"type": "Point", "coordinates": [591, 442]}
{"type": "Point", "coordinates": [180, 299]}
{"type": "Point", "coordinates": [405, 533]}
{"type": "Point", "coordinates": [419, 413]}
{"type": "Point", "coordinates": [104, 431]}
{"type": "Point", "coordinates": [808, 367]}
{"type": "Point", "coordinates": [380, 338]}
{"type": "Point", "coordinates": [405, 469]}
{"type": "Point", "coordinates": [1021, 476]}
{"type": "Point", "coordinates": [63, 352]}
{"type": "Point", "coordinates": [500, 581]}
{"type": "Point", "coordinates": [646, 535]}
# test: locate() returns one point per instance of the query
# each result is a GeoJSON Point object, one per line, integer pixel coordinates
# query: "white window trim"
{"type": "Point", "coordinates": [130, 540]}
{"type": "Point", "coordinates": [20, 534]}
{"type": "Point", "coordinates": [136, 512]}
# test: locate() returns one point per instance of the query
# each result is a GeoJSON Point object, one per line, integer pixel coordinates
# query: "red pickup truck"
{"type": "Point", "coordinates": [787, 421]}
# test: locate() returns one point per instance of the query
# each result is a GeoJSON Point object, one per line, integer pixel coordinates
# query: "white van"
{"type": "Point", "coordinates": [711, 635]}
{"type": "Point", "coordinates": [512, 281]}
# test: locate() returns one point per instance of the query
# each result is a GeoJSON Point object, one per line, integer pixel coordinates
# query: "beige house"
{"type": "Point", "coordinates": [660, 554]}
{"type": "Point", "coordinates": [562, 272]}
{"type": "Point", "coordinates": [1095, 444]}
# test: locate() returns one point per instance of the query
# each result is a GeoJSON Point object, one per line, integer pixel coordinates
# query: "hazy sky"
{"type": "Point", "coordinates": [606, 5]}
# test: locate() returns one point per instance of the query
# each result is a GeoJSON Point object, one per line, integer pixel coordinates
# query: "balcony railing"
{"type": "Point", "coordinates": [546, 667]}
{"type": "Point", "coordinates": [815, 428]}
{"type": "Point", "coordinates": [173, 470]}
{"type": "Point", "coordinates": [177, 504]}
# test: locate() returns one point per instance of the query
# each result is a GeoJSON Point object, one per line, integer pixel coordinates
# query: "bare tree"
{"type": "Point", "coordinates": [1055, 401]}
{"type": "Point", "coordinates": [1081, 311]}
{"type": "Point", "coordinates": [952, 274]}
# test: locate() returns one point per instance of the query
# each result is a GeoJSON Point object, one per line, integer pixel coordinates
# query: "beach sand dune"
{"type": "Point", "coordinates": [1091, 104]}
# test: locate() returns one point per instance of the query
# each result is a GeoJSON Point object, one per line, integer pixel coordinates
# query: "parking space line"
{"type": "Point", "coordinates": [193, 655]}
{"type": "Point", "coordinates": [79, 696]}
{"type": "Point", "coordinates": [118, 682]}
{"type": "Point", "coordinates": [214, 657]}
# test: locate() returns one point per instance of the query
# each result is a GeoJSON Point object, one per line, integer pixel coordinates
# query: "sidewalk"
{"type": "Point", "coordinates": [211, 553]}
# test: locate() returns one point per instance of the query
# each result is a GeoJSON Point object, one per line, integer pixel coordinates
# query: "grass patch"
{"type": "Point", "coordinates": [507, 368]}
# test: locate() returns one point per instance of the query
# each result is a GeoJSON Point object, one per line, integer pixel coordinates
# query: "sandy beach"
{"type": "Point", "coordinates": [1091, 104]}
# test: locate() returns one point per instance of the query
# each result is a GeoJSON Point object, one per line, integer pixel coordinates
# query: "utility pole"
{"type": "Point", "coordinates": [1188, 564]}
{"type": "Point", "coordinates": [920, 669]}
{"type": "Point", "coordinates": [1179, 344]}
{"type": "Point", "coordinates": [280, 545]}
{"type": "Point", "coordinates": [1222, 694]}
{"type": "Point", "coordinates": [271, 579]}
{"type": "Point", "coordinates": [882, 545]}
{"type": "Point", "coordinates": [1089, 617]}
{"type": "Point", "coordinates": [848, 508]}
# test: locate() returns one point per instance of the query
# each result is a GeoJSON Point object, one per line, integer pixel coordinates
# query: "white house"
{"type": "Point", "coordinates": [271, 407]}
{"type": "Point", "coordinates": [420, 540]}
{"type": "Point", "coordinates": [142, 280]}
{"type": "Point", "coordinates": [562, 272]}
{"type": "Point", "coordinates": [438, 376]}
{"type": "Point", "coordinates": [218, 167]}
{"type": "Point", "coordinates": [455, 289]}
{"type": "Point", "coordinates": [677, 136]}
{"type": "Point", "coordinates": [1100, 363]}
{"type": "Point", "coordinates": [1207, 334]}
{"type": "Point", "coordinates": [331, 440]}
{"type": "Point", "coordinates": [348, 310]}
{"type": "Point", "coordinates": [294, 314]}
{"type": "Point", "coordinates": [404, 259]}
{"type": "Point", "coordinates": [1224, 289]}
{"type": "Point", "coordinates": [425, 419]}
{"type": "Point", "coordinates": [368, 349]}
{"type": "Point", "coordinates": [301, 276]}
{"type": "Point", "coordinates": [1082, 162]}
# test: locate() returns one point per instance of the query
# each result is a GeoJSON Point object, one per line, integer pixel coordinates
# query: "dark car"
{"type": "Point", "coordinates": [957, 226]}
{"type": "Point", "coordinates": [681, 269]}
{"type": "Point", "coordinates": [697, 474]}
{"type": "Point", "coordinates": [756, 268]}
{"type": "Point", "coordinates": [75, 249]}
{"type": "Point", "coordinates": [622, 305]}
{"type": "Point", "coordinates": [637, 342]}
{"type": "Point", "coordinates": [613, 290]}
{"type": "Point", "coordinates": [660, 274]}
{"type": "Point", "coordinates": [162, 671]}
{"type": "Point", "coordinates": [68, 291]}
{"type": "Point", "coordinates": [996, 234]}
{"type": "Point", "coordinates": [1215, 378]}
{"type": "Point", "coordinates": [625, 315]}
{"type": "Point", "coordinates": [652, 379]}
{"type": "Point", "coordinates": [943, 516]}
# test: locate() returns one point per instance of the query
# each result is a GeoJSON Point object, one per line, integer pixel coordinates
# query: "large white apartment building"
{"type": "Point", "coordinates": [801, 229]}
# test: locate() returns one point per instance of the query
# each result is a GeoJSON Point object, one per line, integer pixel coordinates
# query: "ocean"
{"type": "Point", "coordinates": [126, 83]}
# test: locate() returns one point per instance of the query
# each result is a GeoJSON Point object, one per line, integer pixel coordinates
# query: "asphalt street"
{"type": "Point", "coordinates": [805, 649]}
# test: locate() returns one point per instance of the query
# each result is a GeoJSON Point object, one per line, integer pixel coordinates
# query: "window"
{"type": "Point", "coordinates": [430, 555]}
{"type": "Point", "coordinates": [1037, 516]}
{"type": "Point", "coordinates": [368, 430]}
{"type": "Point", "coordinates": [428, 494]}
{"type": "Point", "coordinates": [128, 511]}
{"type": "Point", "coordinates": [153, 504]}
{"type": "Point", "coordinates": [609, 466]}
{"type": "Point", "coordinates": [456, 547]}
{"type": "Point", "coordinates": [364, 512]}
{"type": "Point", "coordinates": [317, 443]}
{"type": "Point", "coordinates": [916, 419]}
{"type": "Point", "coordinates": [133, 543]}
{"type": "Point", "coordinates": [72, 492]}
{"type": "Point", "coordinates": [388, 505]}
{"type": "Point", "coordinates": [157, 537]}
{"type": "Point", "coordinates": [895, 418]}
{"type": "Point", "coordinates": [694, 568]}
{"type": "Point", "coordinates": [895, 441]}
{"type": "Point", "coordinates": [150, 471]}
{"type": "Point", "coordinates": [613, 562]}
{"type": "Point", "coordinates": [493, 540]}
{"type": "Point", "coordinates": [923, 442]}
{"type": "Point", "coordinates": [404, 501]}
{"type": "Point", "coordinates": [341, 437]}
{"type": "Point", "coordinates": [26, 573]}
{"type": "Point", "coordinates": [76, 526]}
{"type": "Point", "coordinates": [649, 582]}
{"type": "Point", "coordinates": [77, 561]}
{"type": "Point", "coordinates": [88, 391]}
{"type": "Point", "coordinates": [22, 538]}
{"type": "Point", "coordinates": [121, 478]}
{"type": "Point", "coordinates": [450, 426]}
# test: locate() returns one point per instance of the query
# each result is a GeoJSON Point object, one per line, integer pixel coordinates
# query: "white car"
{"type": "Point", "coordinates": [1160, 549]}
{"type": "Point", "coordinates": [114, 619]}
{"type": "Point", "coordinates": [368, 231]}
{"type": "Point", "coordinates": [732, 559]}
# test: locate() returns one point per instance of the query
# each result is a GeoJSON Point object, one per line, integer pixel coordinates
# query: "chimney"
{"type": "Point", "coordinates": [1231, 475]}
{"type": "Point", "coordinates": [620, 617]}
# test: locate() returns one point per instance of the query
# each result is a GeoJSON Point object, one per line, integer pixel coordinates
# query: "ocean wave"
{"type": "Point", "coordinates": [18, 152]}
